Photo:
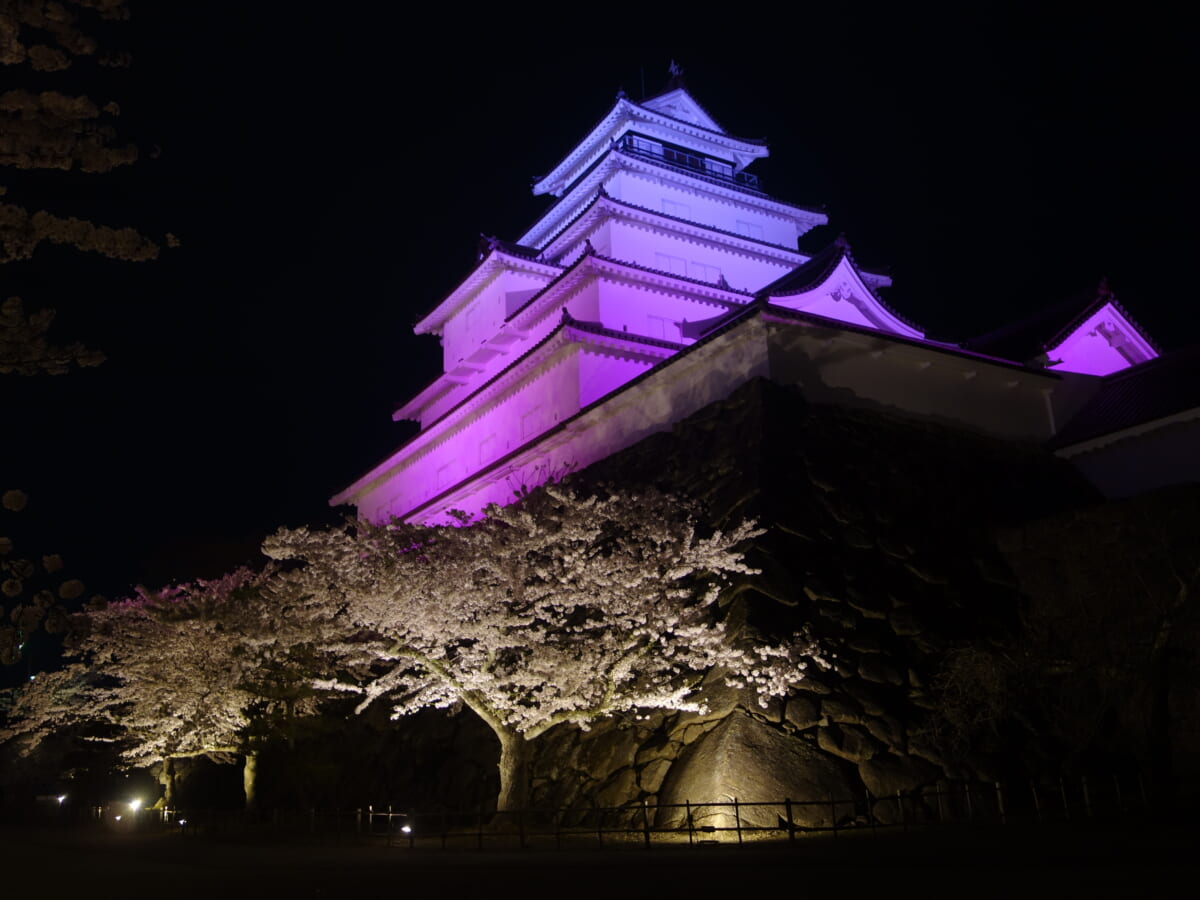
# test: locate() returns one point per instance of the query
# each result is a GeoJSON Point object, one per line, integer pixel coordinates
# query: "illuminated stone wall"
{"type": "Point", "coordinates": [881, 537]}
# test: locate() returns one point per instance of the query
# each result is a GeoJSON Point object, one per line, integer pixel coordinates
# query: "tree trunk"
{"type": "Point", "coordinates": [167, 779]}
{"type": "Point", "coordinates": [250, 779]}
{"type": "Point", "coordinates": [1161, 771]}
{"type": "Point", "coordinates": [514, 774]}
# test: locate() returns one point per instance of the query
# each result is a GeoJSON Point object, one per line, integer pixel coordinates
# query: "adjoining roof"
{"type": "Point", "coordinates": [820, 268]}
{"type": "Point", "coordinates": [1030, 338]}
{"type": "Point", "coordinates": [1155, 390]}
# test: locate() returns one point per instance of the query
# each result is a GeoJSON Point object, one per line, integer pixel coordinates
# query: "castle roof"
{"type": "Point", "coordinates": [1030, 338]}
{"type": "Point", "coordinates": [674, 112]}
{"type": "Point", "coordinates": [791, 289]}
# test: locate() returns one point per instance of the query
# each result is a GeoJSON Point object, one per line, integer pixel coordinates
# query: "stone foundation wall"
{"type": "Point", "coordinates": [880, 539]}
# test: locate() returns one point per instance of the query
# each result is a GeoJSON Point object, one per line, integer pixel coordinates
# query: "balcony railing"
{"type": "Point", "coordinates": [712, 170]}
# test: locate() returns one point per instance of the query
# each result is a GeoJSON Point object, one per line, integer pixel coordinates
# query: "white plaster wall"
{"type": "Point", "coordinates": [701, 260]}
{"type": "Point", "coordinates": [602, 373]}
{"type": "Point", "coordinates": [582, 303]}
{"type": "Point", "coordinates": [550, 395]}
{"type": "Point", "coordinates": [638, 309]}
{"type": "Point", "coordinates": [481, 318]}
{"type": "Point", "coordinates": [443, 404]}
{"type": "Point", "coordinates": [677, 390]}
{"type": "Point", "coordinates": [704, 208]}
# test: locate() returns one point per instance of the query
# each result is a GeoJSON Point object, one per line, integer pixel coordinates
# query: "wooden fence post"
{"type": "Point", "coordinates": [687, 806]}
{"type": "Point", "coordinates": [645, 824]}
{"type": "Point", "coordinates": [737, 819]}
{"type": "Point", "coordinates": [787, 807]}
{"type": "Point", "coordinates": [1000, 804]}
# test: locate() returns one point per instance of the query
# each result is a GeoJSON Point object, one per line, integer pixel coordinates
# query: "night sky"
{"type": "Point", "coordinates": [329, 179]}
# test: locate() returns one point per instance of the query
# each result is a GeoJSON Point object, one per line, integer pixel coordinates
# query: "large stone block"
{"type": "Point", "coordinates": [874, 699]}
{"type": "Point", "coordinates": [877, 669]}
{"type": "Point", "coordinates": [620, 789]}
{"type": "Point", "coordinates": [905, 623]}
{"type": "Point", "coordinates": [887, 775]}
{"type": "Point", "coordinates": [650, 778]}
{"type": "Point", "coordinates": [755, 763]}
{"type": "Point", "coordinates": [871, 605]}
{"type": "Point", "coordinates": [720, 699]}
{"type": "Point", "coordinates": [888, 731]}
{"type": "Point", "coordinates": [606, 749]}
{"type": "Point", "coordinates": [847, 741]}
{"type": "Point", "coordinates": [802, 712]}
{"type": "Point", "coordinates": [839, 708]}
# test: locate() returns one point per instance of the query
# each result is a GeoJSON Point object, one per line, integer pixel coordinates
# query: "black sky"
{"type": "Point", "coordinates": [329, 179]}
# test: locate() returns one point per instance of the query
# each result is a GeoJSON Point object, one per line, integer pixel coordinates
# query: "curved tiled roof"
{"type": "Point", "coordinates": [1028, 338]}
{"type": "Point", "coordinates": [629, 265]}
{"type": "Point", "coordinates": [721, 136]}
{"type": "Point", "coordinates": [1154, 390]}
{"type": "Point", "coordinates": [634, 207]}
{"type": "Point", "coordinates": [813, 273]}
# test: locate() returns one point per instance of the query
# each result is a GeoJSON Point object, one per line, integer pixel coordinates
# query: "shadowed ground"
{"type": "Point", "coordinates": [1082, 862]}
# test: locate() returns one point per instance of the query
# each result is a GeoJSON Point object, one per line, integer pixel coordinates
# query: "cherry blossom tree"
{"type": "Point", "coordinates": [33, 589]}
{"type": "Point", "coordinates": [558, 609]}
{"type": "Point", "coordinates": [175, 673]}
